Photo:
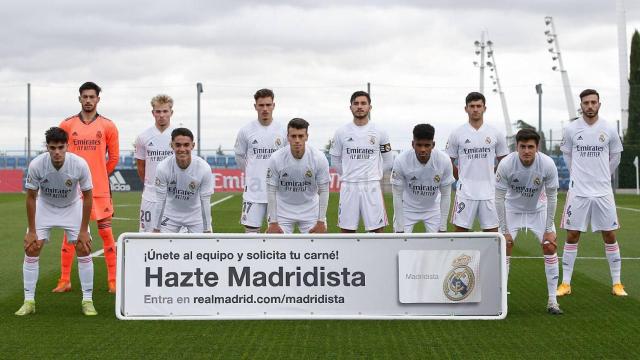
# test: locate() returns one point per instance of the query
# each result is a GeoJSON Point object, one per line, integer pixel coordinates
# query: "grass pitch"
{"type": "Point", "coordinates": [595, 325]}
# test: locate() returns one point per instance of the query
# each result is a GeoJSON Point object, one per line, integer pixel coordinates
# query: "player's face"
{"type": "Point", "coordinates": [264, 106]}
{"type": "Point", "coordinates": [423, 149]}
{"type": "Point", "coordinates": [475, 109]}
{"type": "Point", "coordinates": [57, 151]}
{"type": "Point", "coordinates": [590, 106]}
{"type": "Point", "coordinates": [527, 151]}
{"type": "Point", "coordinates": [297, 138]}
{"type": "Point", "coordinates": [89, 100]}
{"type": "Point", "coordinates": [182, 146]}
{"type": "Point", "coordinates": [360, 107]}
{"type": "Point", "coordinates": [162, 113]}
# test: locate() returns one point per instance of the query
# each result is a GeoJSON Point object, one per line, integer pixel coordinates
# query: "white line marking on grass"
{"type": "Point", "coordinates": [579, 257]}
{"type": "Point", "coordinates": [123, 218]}
{"type": "Point", "coordinates": [126, 205]}
{"type": "Point", "coordinates": [630, 209]}
{"type": "Point", "coordinates": [221, 200]}
{"type": "Point", "coordinates": [101, 251]}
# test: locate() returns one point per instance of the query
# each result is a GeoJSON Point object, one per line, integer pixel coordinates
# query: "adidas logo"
{"type": "Point", "coordinates": [350, 139]}
{"type": "Point", "coordinates": [414, 178]}
{"type": "Point", "coordinates": [285, 175]}
{"type": "Point", "coordinates": [118, 183]}
{"type": "Point", "coordinates": [254, 142]}
{"type": "Point", "coordinates": [615, 223]}
{"type": "Point", "coordinates": [150, 143]}
{"type": "Point", "coordinates": [173, 182]}
{"type": "Point", "coordinates": [74, 134]}
{"type": "Point", "coordinates": [580, 137]}
{"type": "Point", "coordinates": [467, 141]}
{"type": "Point", "coordinates": [380, 222]}
{"type": "Point", "coordinates": [45, 181]}
{"type": "Point", "coordinates": [516, 180]}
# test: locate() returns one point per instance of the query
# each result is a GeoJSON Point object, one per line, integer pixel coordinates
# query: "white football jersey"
{"type": "Point", "coordinates": [297, 181]}
{"type": "Point", "coordinates": [256, 143]}
{"type": "Point", "coordinates": [184, 188]}
{"type": "Point", "coordinates": [524, 184]}
{"type": "Point", "coordinates": [62, 187]}
{"type": "Point", "coordinates": [422, 182]}
{"type": "Point", "coordinates": [590, 147]}
{"type": "Point", "coordinates": [476, 151]}
{"type": "Point", "coordinates": [361, 149]}
{"type": "Point", "coordinates": [152, 146]}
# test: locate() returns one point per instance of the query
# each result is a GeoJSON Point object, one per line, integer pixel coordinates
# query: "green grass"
{"type": "Point", "coordinates": [595, 324]}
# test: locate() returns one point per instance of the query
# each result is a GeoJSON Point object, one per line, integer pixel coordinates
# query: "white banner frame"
{"type": "Point", "coordinates": [122, 248]}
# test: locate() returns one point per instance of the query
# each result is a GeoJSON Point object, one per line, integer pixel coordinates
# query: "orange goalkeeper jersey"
{"type": "Point", "coordinates": [93, 141]}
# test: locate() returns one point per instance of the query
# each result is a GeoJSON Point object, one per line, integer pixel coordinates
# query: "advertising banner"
{"type": "Point", "coordinates": [295, 276]}
{"type": "Point", "coordinates": [11, 180]}
{"type": "Point", "coordinates": [232, 180]}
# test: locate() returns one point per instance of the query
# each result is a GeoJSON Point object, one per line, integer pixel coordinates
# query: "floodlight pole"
{"type": "Point", "coordinates": [539, 92]}
{"type": "Point", "coordinates": [552, 38]}
{"type": "Point", "coordinates": [369, 92]}
{"type": "Point", "coordinates": [623, 66]}
{"type": "Point", "coordinates": [199, 91]}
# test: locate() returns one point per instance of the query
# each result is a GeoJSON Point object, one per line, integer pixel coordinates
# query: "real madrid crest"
{"type": "Point", "coordinates": [537, 181]}
{"type": "Point", "coordinates": [498, 177]}
{"type": "Point", "coordinates": [269, 173]}
{"type": "Point", "coordinates": [602, 138]}
{"type": "Point", "coordinates": [308, 173]}
{"type": "Point", "coordinates": [278, 141]}
{"type": "Point", "coordinates": [99, 134]}
{"type": "Point", "coordinates": [372, 140]}
{"type": "Point", "coordinates": [68, 182]}
{"type": "Point", "coordinates": [436, 179]}
{"type": "Point", "coordinates": [192, 186]}
{"type": "Point", "coordinates": [487, 140]}
{"type": "Point", "coordinates": [158, 182]}
{"type": "Point", "coordinates": [460, 281]}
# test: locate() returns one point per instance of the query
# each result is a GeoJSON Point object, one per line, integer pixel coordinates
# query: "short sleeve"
{"type": "Point", "coordinates": [452, 146]}
{"type": "Point", "coordinates": [207, 185]}
{"type": "Point", "coordinates": [615, 144]}
{"type": "Point", "coordinates": [502, 176]}
{"type": "Point", "coordinates": [32, 181]}
{"type": "Point", "coordinates": [336, 145]}
{"type": "Point", "coordinates": [501, 145]}
{"type": "Point", "coordinates": [85, 176]}
{"type": "Point", "coordinates": [567, 142]}
{"type": "Point", "coordinates": [447, 172]}
{"type": "Point", "coordinates": [240, 147]}
{"type": "Point", "coordinates": [397, 173]}
{"type": "Point", "coordinates": [551, 174]}
{"type": "Point", "coordinates": [272, 173]}
{"type": "Point", "coordinates": [140, 153]}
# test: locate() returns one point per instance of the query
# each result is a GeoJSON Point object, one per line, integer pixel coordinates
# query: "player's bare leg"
{"type": "Point", "coordinates": [460, 229]}
{"type": "Point", "coordinates": [347, 231]}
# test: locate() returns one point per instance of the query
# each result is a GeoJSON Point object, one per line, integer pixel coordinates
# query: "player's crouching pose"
{"type": "Point", "coordinates": [297, 185]}
{"type": "Point", "coordinates": [421, 181]}
{"type": "Point", "coordinates": [184, 186]}
{"type": "Point", "coordinates": [53, 200]}
{"type": "Point", "coordinates": [520, 178]}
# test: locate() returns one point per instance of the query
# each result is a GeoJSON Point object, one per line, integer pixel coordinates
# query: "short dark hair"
{"type": "Point", "coordinates": [473, 96]}
{"type": "Point", "coordinates": [181, 132]}
{"type": "Point", "coordinates": [360, 93]}
{"type": "Point", "coordinates": [90, 86]}
{"type": "Point", "coordinates": [587, 92]}
{"type": "Point", "coordinates": [56, 135]}
{"type": "Point", "coordinates": [527, 134]}
{"type": "Point", "coordinates": [263, 93]}
{"type": "Point", "coordinates": [423, 132]}
{"type": "Point", "coordinates": [298, 123]}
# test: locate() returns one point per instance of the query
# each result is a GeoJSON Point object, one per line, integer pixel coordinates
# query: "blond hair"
{"type": "Point", "coordinates": [162, 99]}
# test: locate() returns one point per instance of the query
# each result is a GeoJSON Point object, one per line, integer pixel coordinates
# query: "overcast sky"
{"type": "Point", "coordinates": [417, 55]}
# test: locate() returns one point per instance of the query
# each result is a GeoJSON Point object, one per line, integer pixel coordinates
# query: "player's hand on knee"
{"type": "Point", "coordinates": [509, 240]}
{"type": "Point", "coordinates": [30, 241]}
{"type": "Point", "coordinates": [320, 227]}
{"type": "Point", "coordinates": [84, 242]}
{"type": "Point", "coordinates": [274, 228]}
